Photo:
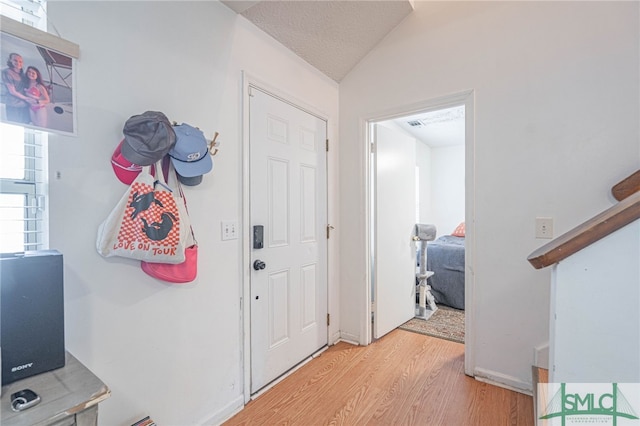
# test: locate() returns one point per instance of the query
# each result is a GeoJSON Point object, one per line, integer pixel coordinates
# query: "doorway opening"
{"type": "Point", "coordinates": [421, 173]}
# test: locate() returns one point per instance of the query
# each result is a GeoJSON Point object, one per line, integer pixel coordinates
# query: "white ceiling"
{"type": "Point", "coordinates": [333, 36]}
{"type": "Point", "coordinates": [444, 127]}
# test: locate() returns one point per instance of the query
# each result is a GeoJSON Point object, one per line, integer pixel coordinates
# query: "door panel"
{"type": "Point", "coordinates": [278, 190]}
{"type": "Point", "coordinates": [308, 207]}
{"type": "Point", "coordinates": [395, 264]}
{"type": "Point", "coordinates": [278, 308]}
{"type": "Point", "coordinates": [288, 197]}
{"type": "Point", "coordinates": [309, 291]}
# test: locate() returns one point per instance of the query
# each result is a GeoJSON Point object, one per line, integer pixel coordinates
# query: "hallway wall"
{"type": "Point", "coordinates": [174, 352]}
{"type": "Point", "coordinates": [556, 105]}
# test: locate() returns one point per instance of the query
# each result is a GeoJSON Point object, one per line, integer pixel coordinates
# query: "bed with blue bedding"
{"type": "Point", "coordinates": [445, 257]}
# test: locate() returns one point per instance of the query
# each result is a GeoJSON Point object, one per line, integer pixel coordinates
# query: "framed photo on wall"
{"type": "Point", "coordinates": [37, 78]}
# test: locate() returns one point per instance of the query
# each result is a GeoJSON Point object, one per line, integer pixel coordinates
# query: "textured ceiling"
{"type": "Point", "coordinates": [440, 128]}
{"type": "Point", "coordinates": [333, 36]}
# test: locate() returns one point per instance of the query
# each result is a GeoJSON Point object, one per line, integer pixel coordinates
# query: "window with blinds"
{"type": "Point", "coordinates": [23, 161]}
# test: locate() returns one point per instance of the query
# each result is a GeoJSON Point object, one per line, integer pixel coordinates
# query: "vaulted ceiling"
{"type": "Point", "coordinates": [333, 36]}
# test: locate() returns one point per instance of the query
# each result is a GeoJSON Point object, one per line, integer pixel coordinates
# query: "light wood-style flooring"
{"type": "Point", "coordinates": [404, 378]}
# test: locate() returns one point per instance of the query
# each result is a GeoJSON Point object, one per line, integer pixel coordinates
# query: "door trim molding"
{"type": "Point", "coordinates": [251, 81]}
{"type": "Point", "coordinates": [466, 98]}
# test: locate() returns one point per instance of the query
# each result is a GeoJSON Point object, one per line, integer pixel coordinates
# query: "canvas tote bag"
{"type": "Point", "coordinates": [149, 222]}
{"type": "Point", "coordinates": [177, 273]}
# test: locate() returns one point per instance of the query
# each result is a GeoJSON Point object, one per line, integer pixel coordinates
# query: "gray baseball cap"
{"type": "Point", "coordinates": [148, 137]}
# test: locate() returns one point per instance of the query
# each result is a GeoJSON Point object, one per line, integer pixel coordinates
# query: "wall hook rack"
{"type": "Point", "coordinates": [213, 145]}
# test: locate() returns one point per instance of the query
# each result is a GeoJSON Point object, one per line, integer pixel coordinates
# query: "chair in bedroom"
{"type": "Point", "coordinates": [424, 233]}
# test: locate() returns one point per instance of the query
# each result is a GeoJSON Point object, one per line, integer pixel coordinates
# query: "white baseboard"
{"type": "Point", "coordinates": [541, 356]}
{"type": "Point", "coordinates": [350, 338]}
{"type": "Point", "coordinates": [334, 338]}
{"type": "Point", "coordinates": [224, 414]}
{"type": "Point", "coordinates": [503, 381]}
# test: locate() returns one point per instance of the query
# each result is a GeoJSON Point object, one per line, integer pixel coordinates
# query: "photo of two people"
{"type": "Point", "coordinates": [37, 86]}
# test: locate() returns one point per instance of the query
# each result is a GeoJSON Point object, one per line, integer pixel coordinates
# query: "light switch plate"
{"type": "Point", "coordinates": [229, 230]}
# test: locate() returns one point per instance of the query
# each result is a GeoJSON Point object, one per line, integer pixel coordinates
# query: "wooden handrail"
{"type": "Point", "coordinates": [607, 222]}
{"type": "Point", "coordinates": [626, 187]}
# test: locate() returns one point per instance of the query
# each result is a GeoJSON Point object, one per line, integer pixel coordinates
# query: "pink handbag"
{"type": "Point", "coordinates": [178, 273]}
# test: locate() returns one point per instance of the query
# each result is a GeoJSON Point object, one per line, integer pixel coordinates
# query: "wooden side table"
{"type": "Point", "coordinates": [69, 396]}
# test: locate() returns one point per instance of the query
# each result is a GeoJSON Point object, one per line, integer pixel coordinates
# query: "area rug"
{"type": "Point", "coordinates": [445, 323]}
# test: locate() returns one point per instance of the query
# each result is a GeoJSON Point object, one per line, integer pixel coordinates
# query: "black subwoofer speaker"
{"type": "Point", "coordinates": [31, 313]}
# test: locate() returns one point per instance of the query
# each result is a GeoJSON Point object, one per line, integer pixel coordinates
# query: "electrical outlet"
{"type": "Point", "coordinates": [544, 227]}
{"type": "Point", "coordinates": [229, 230]}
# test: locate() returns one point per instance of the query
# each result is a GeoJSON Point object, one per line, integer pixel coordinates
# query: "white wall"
{"type": "Point", "coordinates": [442, 186]}
{"type": "Point", "coordinates": [170, 351]}
{"type": "Point", "coordinates": [595, 321]}
{"type": "Point", "coordinates": [448, 186]}
{"type": "Point", "coordinates": [556, 106]}
{"type": "Point", "coordinates": [423, 161]}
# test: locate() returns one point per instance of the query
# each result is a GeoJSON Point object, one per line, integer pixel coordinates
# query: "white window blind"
{"type": "Point", "coordinates": [23, 161]}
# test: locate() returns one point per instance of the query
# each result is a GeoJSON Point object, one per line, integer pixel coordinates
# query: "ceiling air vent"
{"type": "Point", "coordinates": [415, 123]}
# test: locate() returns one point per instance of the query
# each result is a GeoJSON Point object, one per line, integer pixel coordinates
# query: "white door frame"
{"type": "Point", "coordinates": [465, 98]}
{"type": "Point", "coordinates": [248, 80]}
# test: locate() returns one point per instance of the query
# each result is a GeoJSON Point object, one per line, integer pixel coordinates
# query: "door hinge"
{"type": "Point", "coordinates": [373, 148]}
{"type": "Point", "coordinates": [329, 228]}
{"type": "Point", "coordinates": [328, 320]}
{"type": "Point", "coordinates": [327, 146]}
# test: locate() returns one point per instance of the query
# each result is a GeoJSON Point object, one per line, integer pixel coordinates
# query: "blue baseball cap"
{"type": "Point", "coordinates": [190, 155]}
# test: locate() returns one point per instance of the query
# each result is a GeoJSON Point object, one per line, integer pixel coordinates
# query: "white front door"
{"type": "Point", "coordinates": [288, 195]}
{"type": "Point", "coordinates": [395, 216]}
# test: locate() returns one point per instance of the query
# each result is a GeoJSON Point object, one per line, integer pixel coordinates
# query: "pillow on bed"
{"type": "Point", "coordinates": [459, 231]}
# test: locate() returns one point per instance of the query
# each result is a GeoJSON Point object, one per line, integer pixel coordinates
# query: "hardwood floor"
{"type": "Point", "coordinates": [404, 378]}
